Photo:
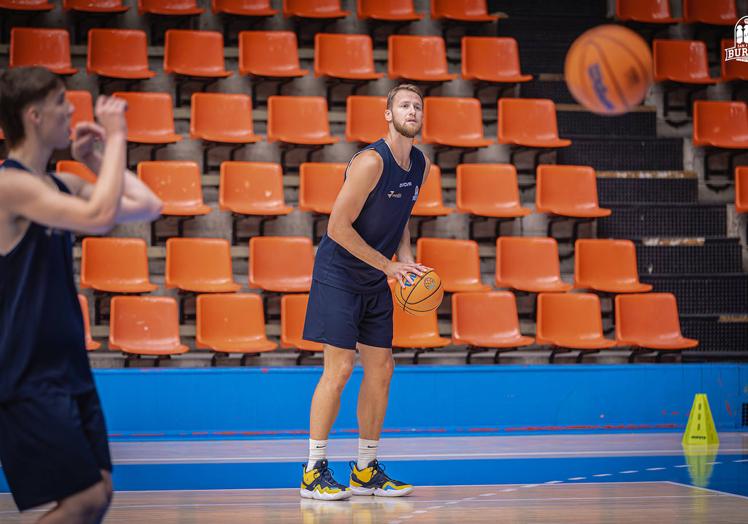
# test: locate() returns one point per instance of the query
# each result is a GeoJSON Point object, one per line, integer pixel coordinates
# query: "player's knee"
{"type": "Point", "coordinates": [338, 376]}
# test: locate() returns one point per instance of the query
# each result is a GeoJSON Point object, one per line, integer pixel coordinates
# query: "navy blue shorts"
{"type": "Point", "coordinates": [341, 318]}
{"type": "Point", "coordinates": [52, 445]}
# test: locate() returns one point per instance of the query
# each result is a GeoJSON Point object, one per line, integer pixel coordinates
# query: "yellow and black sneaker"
{"type": "Point", "coordinates": [318, 483]}
{"type": "Point", "coordinates": [372, 480]}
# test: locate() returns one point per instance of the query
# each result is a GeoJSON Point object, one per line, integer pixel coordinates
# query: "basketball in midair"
{"type": "Point", "coordinates": [608, 69]}
{"type": "Point", "coordinates": [421, 296]}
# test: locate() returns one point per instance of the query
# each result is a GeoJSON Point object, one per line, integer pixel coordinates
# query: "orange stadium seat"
{"type": "Point", "coordinates": [721, 125]}
{"type": "Point", "coordinates": [145, 326]}
{"type": "Point", "coordinates": [48, 48]}
{"type": "Point", "coordinates": [344, 56]}
{"type": "Point", "coordinates": [221, 117]}
{"type": "Point", "coordinates": [281, 264]}
{"type": "Point", "coordinates": [491, 59]}
{"type": "Point", "coordinates": [95, 6]}
{"type": "Point", "coordinates": [430, 202]}
{"type": "Point", "coordinates": [252, 188]}
{"type": "Point", "coordinates": [453, 122]}
{"type": "Point", "coordinates": [419, 333]}
{"type": "Point", "coordinates": [319, 185]}
{"type": "Point", "coordinates": [567, 192]}
{"type": "Point", "coordinates": [299, 120]}
{"type": "Point", "coordinates": [571, 321]}
{"type": "Point", "coordinates": [76, 168]}
{"type": "Point", "coordinates": [169, 7]}
{"type": "Point", "coordinates": [82, 107]}
{"type": "Point", "coordinates": [456, 261]}
{"type": "Point", "coordinates": [115, 265]}
{"type": "Point", "coordinates": [487, 321]}
{"type": "Point", "coordinates": [647, 11]}
{"type": "Point", "coordinates": [293, 315]}
{"type": "Point", "coordinates": [313, 9]}
{"type": "Point", "coordinates": [418, 58]}
{"type": "Point", "coordinates": [741, 189]}
{"type": "Point", "coordinates": [27, 5]}
{"type": "Point", "coordinates": [194, 53]}
{"type": "Point", "coordinates": [608, 266]}
{"type": "Point", "coordinates": [364, 118]}
{"type": "Point", "coordinates": [178, 184]}
{"type": "Point", "coordinates": [388, 10]}
{"type": "Point", "coordinates": [713, 12]}
{"type": "Point", "coordinates": [232, 323]}
{"type": "Point", "coordinates": [682, 61]}
{"type": "Point", "coordinates": [269, 54]}
{"type": "Point", "coordinates": [732, 70]}
{"type": "Point", "coordinates": [461, 11]}
{"type": "Point", "coordinates": [150, 118]}
{"type": "Point", "coordinates": [91, 344]}
{"type": "Point", "coordinates": [529, 264]}
{"type": "Point", "coordinates": [200, 265]}
{"type": "Point", "coordinates": [529, 122]}
{"type": "Point", "coordinates": [489, 191]}
{"type": "Point", "coordinates": [650, 323]}
{"type": "Point", "coordinates": [118, 53]}
{"type": "Point", "coordinates": [243, 7]}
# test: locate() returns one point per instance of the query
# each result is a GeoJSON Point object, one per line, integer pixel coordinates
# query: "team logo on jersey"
{"type": "Point", "coordinates": [415, 195]}
{"type": "Point", "coordinates": [392, 194]}
{"type": "Point", "coordinates": [429, 283]}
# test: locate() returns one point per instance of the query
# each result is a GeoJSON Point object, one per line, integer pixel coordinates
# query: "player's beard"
{"type": "Point", "coordinates": [408, 133]}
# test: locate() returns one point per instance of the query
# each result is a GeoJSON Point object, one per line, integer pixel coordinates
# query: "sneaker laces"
{"type": "Point", "coordinates": [326, 474]}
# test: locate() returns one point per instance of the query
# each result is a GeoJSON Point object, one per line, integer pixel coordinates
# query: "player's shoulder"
{"type": "Point", "coordinates": [367, 162]}
{"type": "Point", "coordinates": [13, 179]}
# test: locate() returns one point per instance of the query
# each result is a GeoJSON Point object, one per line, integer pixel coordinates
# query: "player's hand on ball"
{"type": "Point", "coordinates": [405, 272]}
{"type": "Point", "coordinates": [110, 113]}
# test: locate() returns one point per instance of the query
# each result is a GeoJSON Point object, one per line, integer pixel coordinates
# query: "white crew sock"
{"type": "Point", "coordinates": [317, 451]}
{"type": "Point", "coordinates": [367, 451]}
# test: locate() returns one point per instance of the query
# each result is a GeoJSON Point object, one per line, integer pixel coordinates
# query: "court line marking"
{"type": "Point", "coordinates": [656, 469]}
{"type": "Point", "coordinates": [716, 491]}
{"type": "Point", "coordinates": [412, 456]}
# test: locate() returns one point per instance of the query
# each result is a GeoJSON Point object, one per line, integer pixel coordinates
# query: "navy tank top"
{"type": "Point", "coordinates": [380, 223]}
{"type": "Point", "coordinates": [42, 345]}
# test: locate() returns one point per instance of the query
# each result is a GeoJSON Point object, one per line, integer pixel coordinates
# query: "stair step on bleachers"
{"type": "Point", "coordinates": [725, 336]}
{"type": "Point", "coordinates": [693, 256]}
{"type": "Point", "coordinates": [625, 154]}
{"type": "Point", "coordinates": [544, 87]}
{"type": "Point", "coordinates": [705, 295]}
{"type": "Point", "coordinates": [557, 9]}
{"type": "Point", "coordinates": [664, 220]}
{"type": "Point", "coordinates": [575, 121]}
{"type": "Point", "coordinates": [625, 187]}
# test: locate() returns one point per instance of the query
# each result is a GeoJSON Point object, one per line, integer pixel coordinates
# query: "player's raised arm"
{"type": "Point", "coordinates": [34, 199]}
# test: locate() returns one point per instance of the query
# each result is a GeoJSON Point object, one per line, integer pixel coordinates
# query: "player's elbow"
{"type": "Point", "coordinates": [336, 228]}
{"type": "Point", "coordinates": [100, 219]}
{"type": "Point", "coordinates": [155, 208]}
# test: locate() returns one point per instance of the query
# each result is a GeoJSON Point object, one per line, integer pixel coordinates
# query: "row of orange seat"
{"type": "Point", "coordinates": [392, 10]}
{"type": "Point", "coordinates": [256, 188]}
{"type": "Point", "coordinates": [123, 54]}
{"type": "Point", "coordinates": [284, 265]}
{"type": "Point", "coordinates": [712, 12]}
{"type": "Point", "coordinates": [235, 323]}
{"type": "Point", "coordinates": [687, 62]}
{"type": "Point", "coordinates": [448, 121]}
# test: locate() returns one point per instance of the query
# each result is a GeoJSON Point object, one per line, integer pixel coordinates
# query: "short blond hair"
{"type": "Point", "coordinates": [402, 87]}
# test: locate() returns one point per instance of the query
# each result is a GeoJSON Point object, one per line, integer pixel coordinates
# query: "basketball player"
{"type": "Point", "coordinates": [53, 440]}
{"type": "Point", "coordinates": [350, 303]}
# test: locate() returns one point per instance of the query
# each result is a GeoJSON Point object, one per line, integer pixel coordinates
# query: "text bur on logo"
{"type": "Point", "coordinates": [739, 50]}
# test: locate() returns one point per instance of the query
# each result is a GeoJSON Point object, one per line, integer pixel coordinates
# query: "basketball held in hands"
{"type": "Point", "coordinates": [421, 296]}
